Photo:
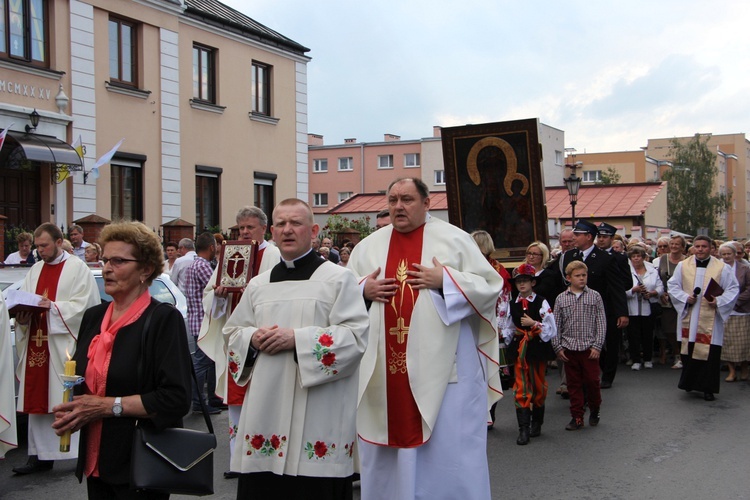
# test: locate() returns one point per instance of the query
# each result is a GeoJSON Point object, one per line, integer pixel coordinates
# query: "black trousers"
{"type": "Point", "coordinates": [610, 358]}
{"type": "Point", "coordinates": [641, 338]}
{"type": "Point", "coordinates": [270, 486]}
{"type": "Point", "coordinates": [99, 490]}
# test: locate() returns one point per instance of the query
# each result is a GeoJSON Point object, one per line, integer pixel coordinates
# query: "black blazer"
{"type": "Point", "coordinates": [165, 386]}
{"type": "Point", "coordinates": [605, 276]}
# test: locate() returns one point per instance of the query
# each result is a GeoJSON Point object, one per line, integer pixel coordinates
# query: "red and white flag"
{"type": "Point", "coordinates": [3, 134]}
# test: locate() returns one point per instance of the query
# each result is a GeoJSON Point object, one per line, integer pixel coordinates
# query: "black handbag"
{"type": "Point", "coordinates": [173, 460]}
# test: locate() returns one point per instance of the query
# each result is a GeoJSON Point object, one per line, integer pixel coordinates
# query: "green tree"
{"type": "Point", "coordinates": [611, 176]}
{"type": "Point", "coordinates": [691, 202]}
{"type": "Point", "coordinates": [336, 223]}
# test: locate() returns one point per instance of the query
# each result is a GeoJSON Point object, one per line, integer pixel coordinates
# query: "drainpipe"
{"type": "Point", "coordinates": [362, 167]}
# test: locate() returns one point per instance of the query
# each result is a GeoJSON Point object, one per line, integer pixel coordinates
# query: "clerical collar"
{"type": "Point", "coordinates": [299, 269]}
{"type": "Point", "coordinates": [291, 264]}
{"type": "Point", "coordinates": [702, 263]}
{"type": "Point", "coordinates": [263, 244]}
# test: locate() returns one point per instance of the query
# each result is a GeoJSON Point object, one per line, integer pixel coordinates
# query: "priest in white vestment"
{"type": "Point", "coordinates": [701, 321]}
{"type": "Point", "coordinates": [219, 305]}
{"type": "Point", "coordinates": [8, 431]}
{"type": "Point", "coordinates": [296, 340]}
{"type": "Point", "coordinates": [46, 340]}
{"type": "Point", "coordinates": [430, 371]}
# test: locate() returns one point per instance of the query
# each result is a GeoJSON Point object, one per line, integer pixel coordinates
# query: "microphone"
{"type": "Point", "coordinates": [696, 292]}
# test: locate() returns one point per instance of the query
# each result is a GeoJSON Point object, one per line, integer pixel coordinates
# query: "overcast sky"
{"type": "Point", "coordinates": [609, 74]}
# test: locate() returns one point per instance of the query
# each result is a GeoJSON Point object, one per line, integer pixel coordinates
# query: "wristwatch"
{"type": "Point", "coordinates": [117, 407]}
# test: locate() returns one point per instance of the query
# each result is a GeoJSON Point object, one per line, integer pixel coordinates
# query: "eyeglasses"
{"type": "Point", "coordinates": [532, 254]}
{"type": "Point", "coordinates": [117, 261]}
{"type": "Point", "coordinates": [662, 246]}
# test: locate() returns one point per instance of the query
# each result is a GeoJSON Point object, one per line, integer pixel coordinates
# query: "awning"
{"type": "Point", "coordinates": [45, 148]}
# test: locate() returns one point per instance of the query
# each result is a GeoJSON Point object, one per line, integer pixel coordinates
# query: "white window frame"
{"type": "Point", "coordinates": [440, 177]}
{"type": "Point", "coordinates": [415, 160]}
{"type": "Point", "coordinates": [389, 161]}
{"type": "Point", "coordinates": [592, 175]}
{"type": "Point", "coordinates": [558, 158]}
{"type": "Point", "coordinates": [320, 199]}
{"type": "Point", "coordinates": [320, 165]}
{"type": "Point", "coordinates": [345, 195]}
{"type": "Point", "coordinates": [346, 164]}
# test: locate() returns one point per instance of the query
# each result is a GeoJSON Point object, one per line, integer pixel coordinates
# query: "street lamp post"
{"type": "Point", "coordinates": [573, 183]}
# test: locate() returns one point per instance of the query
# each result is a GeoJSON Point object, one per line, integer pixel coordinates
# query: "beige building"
{"type": "Point", "coordinates": [210, 104]}
{"type": "Point", "coordinates": [340, 171]}
{"type": "Point", "coordinates": [733, 165]}
{"type": "Point", "coordinates": [648, 165]}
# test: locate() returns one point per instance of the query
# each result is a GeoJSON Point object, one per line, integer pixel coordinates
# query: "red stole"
{"type": "Point", "coordinates": [36, 379]}
{"type": "Point", "coordinates": [235, 393]}
{"type": "Point", "coordinates": [404, 418]}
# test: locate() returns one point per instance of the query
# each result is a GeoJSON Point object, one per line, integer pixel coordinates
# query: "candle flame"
{"type": "Point", "coordinates": [67, 354]}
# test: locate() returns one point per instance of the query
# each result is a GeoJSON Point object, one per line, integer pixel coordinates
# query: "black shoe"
{"type": "Point", "coordinates": [574, 424]}
{"type": "Point", "coordinates": [708, 396]}
{"type": "Point", "coordinates": [230, 474]}
{"type": "Point", "coordinates": [34, 465]}
{"type": "Point", "coordinates": [537, 419]}
{"type": "Point", "coordinates": [218, 403]}
{"type": "Point", "coordinates": [605, 384]}
{"type": "Point", "coordinates": [524, 421]}
{"type": "Point", "coordinates": [594, 418]}
{"type": "Point", "coordinates": [209, 409]}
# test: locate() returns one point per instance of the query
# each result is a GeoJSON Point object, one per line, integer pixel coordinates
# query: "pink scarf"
{"type": "Point", "coordinates": [100, 353]}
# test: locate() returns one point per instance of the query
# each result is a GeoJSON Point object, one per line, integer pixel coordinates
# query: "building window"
{"type": "Point", "coordinates": [439, 177]}
{"type": "Point", "coordinates": [261, 89]}
{"type": "Point", "coordinates": [127, 190]}
{"type": "Point", "coordinates": [23, 31]}
{"type": "Point", "coordinates": [592, 175]}
{"type": "Point", "coordinates": [122, 51]}
{"type": "Point", "coordinates": [320, 199]}
{"type": "Point", "coordinates": [265, 197]}
{"type": "Point", "coordinates": [345, 163]}
{"type": "Point", "coordinates": [385, 161]}
{"type": "Point", "coordinates": [207, 201]}
{"type": "Point", "coordinates": [204, 77]}
{"type": "Point", "coordinates": [345, 196]}
{"type": "Point", "coordinates": [411, 160]}
{"type": "Point", "coordinates": [558, 158]}
{"type": "Point", "coordinates": [320, 165]}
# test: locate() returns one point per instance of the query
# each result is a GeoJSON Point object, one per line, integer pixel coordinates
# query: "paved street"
{"type": "Point", "coordinates": [654, 441]}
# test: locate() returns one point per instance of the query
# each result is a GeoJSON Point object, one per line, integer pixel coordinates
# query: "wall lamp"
{"type": "Point", "coordinates": [34, 118]}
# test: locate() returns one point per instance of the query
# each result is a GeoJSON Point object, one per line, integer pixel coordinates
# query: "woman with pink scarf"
{"type": "Point", "coordinates": [134, 356]}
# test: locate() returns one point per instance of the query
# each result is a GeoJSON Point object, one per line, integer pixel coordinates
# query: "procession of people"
{"type": "Point", "coordinates": [362, 362]}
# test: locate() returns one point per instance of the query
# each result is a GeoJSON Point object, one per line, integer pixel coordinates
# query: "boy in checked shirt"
{"type": "Point", "coordinates": [581, 327]}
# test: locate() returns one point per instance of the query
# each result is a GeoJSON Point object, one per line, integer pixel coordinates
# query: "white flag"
{"type": "Point", "coordinates": [107, 157]}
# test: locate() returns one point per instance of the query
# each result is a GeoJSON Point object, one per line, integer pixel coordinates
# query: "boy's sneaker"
{"type": "Point", "coordinates": [629, 362]}
{"type": "Point", "coordinates": [635, 367]}
{"type": "Point", "coordinates": [677, 364]}
{"type": "Point", "coordinates": [594, 417]}
{"type": "Point", "coordinates": [574, 424]}
{"type": "Point", "coordinates": [648, 365]}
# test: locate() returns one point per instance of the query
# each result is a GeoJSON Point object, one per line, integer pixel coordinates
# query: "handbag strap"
{"type": "Point", "coordinates": [206, 417]}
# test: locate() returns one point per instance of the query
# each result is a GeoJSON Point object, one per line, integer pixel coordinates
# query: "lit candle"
{"type": "Point", "coordinates": [70, 370]}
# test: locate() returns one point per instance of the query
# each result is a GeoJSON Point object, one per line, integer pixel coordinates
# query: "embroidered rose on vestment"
{"type": "Point", "coordinates": [323, 342]}
{"type": "Point", "coordinates": [265, 446]}
{"type": "Point", "coordinates": [320, 450]}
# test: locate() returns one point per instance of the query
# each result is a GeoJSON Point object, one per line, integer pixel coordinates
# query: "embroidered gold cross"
{"type": "Point", "coordinates": [400, 331]}
{"type": "Point", "coordinates": [40, 337]}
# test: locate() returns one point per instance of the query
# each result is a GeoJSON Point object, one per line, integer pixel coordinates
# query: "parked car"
{"type": "Point", "coordinates": [162, 289]}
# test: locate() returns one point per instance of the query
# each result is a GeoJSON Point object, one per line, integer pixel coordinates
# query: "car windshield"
{"type": "Point", "coordinates": [158, 290]}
